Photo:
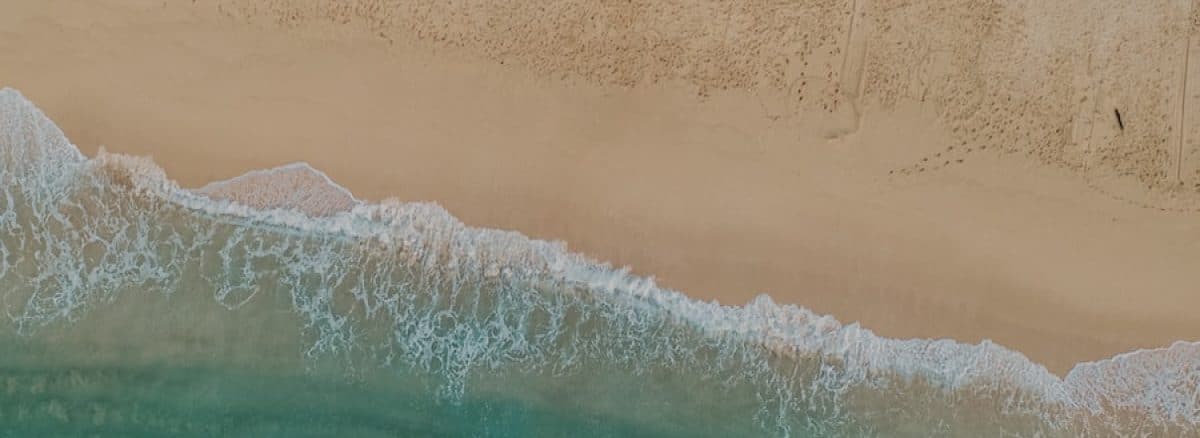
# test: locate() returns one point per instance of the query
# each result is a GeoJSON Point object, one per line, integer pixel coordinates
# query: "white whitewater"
{"type": "Point", "coordinates": [1158, 387]}
{"type": "Point", "coordinates": [296, 186]}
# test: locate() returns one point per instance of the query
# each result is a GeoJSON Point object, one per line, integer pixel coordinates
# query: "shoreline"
{"type": "Point", "coordinates": [708, 194]}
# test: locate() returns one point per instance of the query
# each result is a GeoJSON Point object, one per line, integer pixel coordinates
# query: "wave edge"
{"type": "Point", "coordinates": [1094, 387]}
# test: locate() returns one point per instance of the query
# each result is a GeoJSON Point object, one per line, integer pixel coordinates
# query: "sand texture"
{"type": "Point", "coordinates": [946, 168]}
{"type": "Point", "coordinates": [292, 186]}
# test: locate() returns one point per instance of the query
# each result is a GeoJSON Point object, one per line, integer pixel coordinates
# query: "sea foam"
{"type": "Point", "coordinates": [439, 296]}
{"type": "Point", "coordinates": [296, 186]}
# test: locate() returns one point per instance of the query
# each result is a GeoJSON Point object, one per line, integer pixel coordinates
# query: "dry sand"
{"type": "Point", "coordinates": [941, 169]}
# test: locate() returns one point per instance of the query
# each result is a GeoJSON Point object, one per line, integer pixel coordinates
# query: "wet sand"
{"type": "Point", "coordinates": [904, 188]}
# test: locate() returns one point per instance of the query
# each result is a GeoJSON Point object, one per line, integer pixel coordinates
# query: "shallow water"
{"type": "Point", "coordinates": [135, 307]}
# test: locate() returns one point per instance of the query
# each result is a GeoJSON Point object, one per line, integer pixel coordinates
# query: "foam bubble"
{"type": "Point", "coordinates": [407, 283]}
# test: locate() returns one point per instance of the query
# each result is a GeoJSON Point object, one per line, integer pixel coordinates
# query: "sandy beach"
{"type": "Point", "coordinates": [934, 173]}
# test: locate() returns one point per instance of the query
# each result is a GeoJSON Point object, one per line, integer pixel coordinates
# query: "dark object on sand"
{"type": "Point", "coordinates": [1120, 123]}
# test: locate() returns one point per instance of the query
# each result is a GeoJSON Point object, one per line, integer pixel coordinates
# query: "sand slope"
{"type": "Point", "coordinates": [948, 169]}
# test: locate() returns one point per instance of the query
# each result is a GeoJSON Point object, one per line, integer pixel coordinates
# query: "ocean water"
{"type": "Point", "coordinates": [133, 307]}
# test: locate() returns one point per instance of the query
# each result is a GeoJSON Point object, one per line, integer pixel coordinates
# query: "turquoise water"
{"type": "Point", "coordinates": [136, 308]}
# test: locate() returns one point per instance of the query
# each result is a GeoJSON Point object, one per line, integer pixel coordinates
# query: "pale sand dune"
{"type": "Point", "coordinates": [946, 169]}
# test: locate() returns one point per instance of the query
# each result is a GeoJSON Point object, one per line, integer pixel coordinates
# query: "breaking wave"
{"type": "Point", "coordinates": [406, 287]}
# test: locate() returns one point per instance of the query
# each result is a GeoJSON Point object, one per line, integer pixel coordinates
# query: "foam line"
{"type": "Point", "coordinates": [386, 253]}
{"type": "Point", "coordinates": [296, 186]}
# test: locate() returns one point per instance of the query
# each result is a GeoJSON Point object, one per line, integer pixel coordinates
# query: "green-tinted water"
{"type": "Point", "coordinates": [193, 368]}
{"type": "Point", "coordinates": [132, 307]}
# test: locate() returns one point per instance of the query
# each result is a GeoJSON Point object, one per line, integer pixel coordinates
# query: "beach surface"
{"type": "Point", "coordinates": [966, 178]}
